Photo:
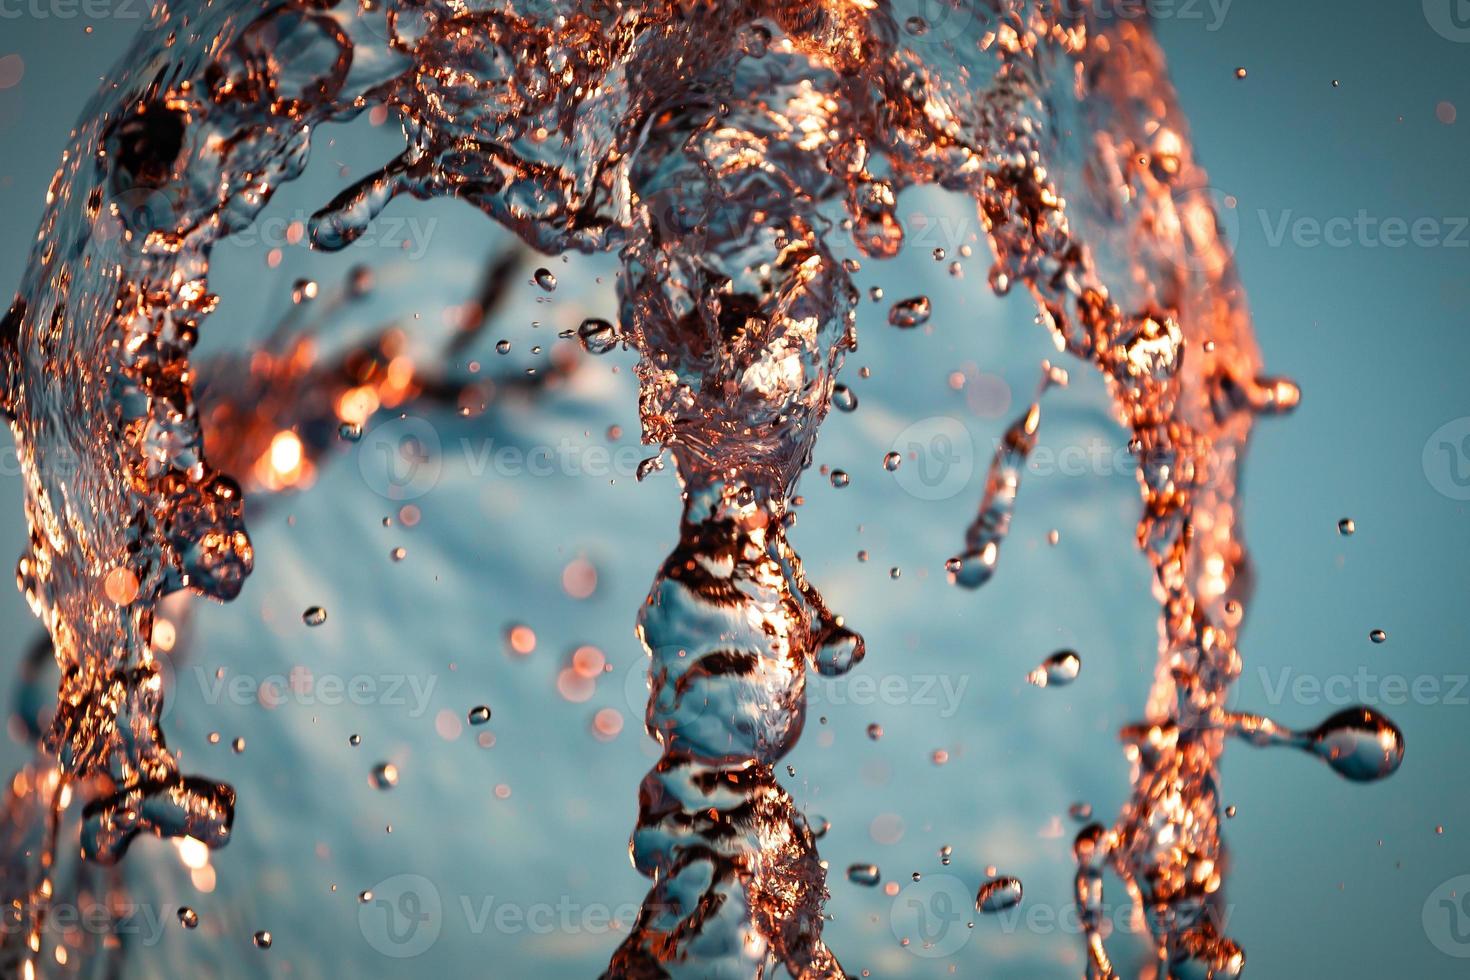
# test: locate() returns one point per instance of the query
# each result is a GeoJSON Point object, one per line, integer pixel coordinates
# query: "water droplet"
{"type": "Point", "coordinates": [398, 554]}
{"type": "Point", "coordinates": [546, 279]}
{"type": "Point", "coordinates": [349, 431]}
{"type": "Point", "coordinates": [840, 479]}
{"type": "Point", "coordinates": [892, 461]}
{"type": "Point", "coordinates": [597, 336]}
{"type": "Point", "coordinates": [916, 25]}
{"type": "Point", "coordinates": [365, 896]}
{"type": "Point", "coordinates": [303, 291]}
{"type": "Point", "coordinates": [384, 776]}
{"type": "Point", "coordinates": [875, 731]}
{"type": "Point", "coordinates": [1058, 670]}
{"type": "Point", "coordinates": [844, 399]}
{"type": "Point", "coordinates": [479, 714]}
{"type": "Point", "coordinates": [1378, 636]}
{"type": "Point", "coordinates": [354, 739]}
{"type": "Point", "coordinates": [909, 313]}
{"type": "Point", "coordinates": [262, 939]}
{"type": "Point", "coordinates": [238, 745]}
{"type": "Point", "coordinates": [1240, 73]}
{"type": "Point", "coordinates": [1080, 811]}
{"type": "Point", "coordinates": [188, 917]}
{"type": "Point", "coordinates": [998, 894]}
{"type": "Point", "coordinates": [1346, 527]}
{"type": "Point", "coordinates": [1359, 744]}
{"type": "Point", "coordinates": [864, 874]}
{"type": "Point", "coordinates": [314, 616]}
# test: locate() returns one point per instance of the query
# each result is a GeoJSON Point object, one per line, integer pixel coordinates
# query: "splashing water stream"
{"type": "Point", "coordinates": [730, 153]}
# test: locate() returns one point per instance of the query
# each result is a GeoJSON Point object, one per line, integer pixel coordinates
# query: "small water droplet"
{"type": "Point", "coordinates": [910, 313]}
{"type": "Point", "coordinates": [892, 461]}
{"type": "Point", "coordinates": [262, 939]}
{"type": "Point", "coordinates": [998, 894]}
{"type": "Point", "coordinates": [502, 347]}
{"type": "Point", "coordinates": [188, 917]}
{"type": "Point", "coordinates": [864, 874]}
{"type": "Point", "coordinates": [1080, 811]}
{"type": "Point", "coordinates": [354, 739]}
{"type": "Point", "coordinates": [597, 336]}
{"type": "Point", "coordinates": [1346, 527]}
{"type": "Point", "coordinates": [875, 731]}
{"type": "Point", "coordinates": [1359, 744]}
{"type": "Point", "coordinates": [546, 279]}
{"type": "Point", "coordinates": [479, 714]}
{"type": "Point", "coordinates": [314, 616]}
{"type": "Point", "coordinates": [844, 399]}
{"type": "Point", "coordinates": [384, 776]}
{"type": "Point", "coordinates": [1378, 636]}
{"type": "Point", "coordinates": [1058, 670]}
{"type": "Point", "coordinates": [840, 479]}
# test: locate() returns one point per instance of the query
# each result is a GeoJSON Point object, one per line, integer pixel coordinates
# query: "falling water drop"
{"type": "Point", "coordinates": [188, 917]}
{"type": "Point", "coordinates": [892, 461]}
{"type": "Point", "coordinates": [546, 279]}
{"type": "Point", "coordinates": [1378, 636]}
{"type": "Point", "coordinates": [910, 313]}
{"type": "Point", "coordinates": [864, 874]}
{"type": "Point", "coordinates": [349, 431]}
{"type": "Point", "coordinates": [262, 939]}
{"type": "Point", "coordinates": [844, 399]}
{"type": "Point", "coordinates": [1346, 527]}
{"type": "Point", "coordinates": [1058, 670]}
{"type": "Point", "coordinates": [597, 336]}
{"type": "Point", "coordinates": [314, 616]}
{"type": "Point", "coordinates": [384, 776]}
{"type": "Point", "coordinates": [1359, 744]}
{"type": "Point", "coordinates": [840, 479]}
{"type": "Point", "coordinates": [875, 731]}
{"type": "Point", "coordinates": [998, 894]}
{"type": "Point", "coordinates": [479, 714]}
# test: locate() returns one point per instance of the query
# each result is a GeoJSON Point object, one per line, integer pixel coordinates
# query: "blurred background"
{"type": "Point", "coordinates": [527, 545]}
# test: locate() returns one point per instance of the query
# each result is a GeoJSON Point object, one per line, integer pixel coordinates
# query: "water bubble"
{"type": "Point", "coordinates": [1058, 670]}
{"type": "Point", "coordinates": [546, 279]}
{"type": "Point", "coordinates": [597, 336]}
{"type": "Point", "coordinates": [864, 874]}
{"type": "Point", "coordinates": [910, 313]}
{"type": "Point", "coordinates": [998, 894]}
{"type": "Point", "coordinates": [384, 776]}
{"type": "Point", "coordinates": [314, 616]}
{"type": "Point", "coordinates": [1359, 744]}
{"type": "Point", "coordinates": [188, 917]}
{"type": "Point", "coordinates": [479, 714]}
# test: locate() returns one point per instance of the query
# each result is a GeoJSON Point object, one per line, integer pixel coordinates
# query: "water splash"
{"type": "Point", "coordinates": [727, 152]}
